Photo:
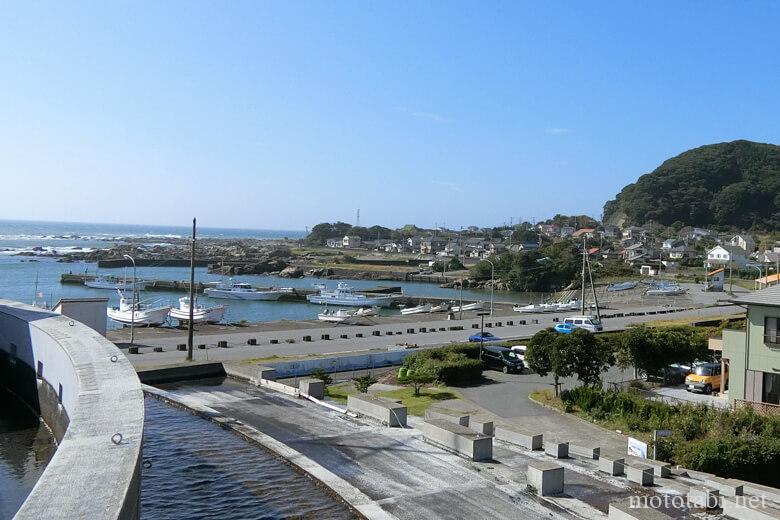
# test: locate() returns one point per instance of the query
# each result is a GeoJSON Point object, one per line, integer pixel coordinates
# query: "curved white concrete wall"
{"type": "Point", "coordinates": [89, 476]}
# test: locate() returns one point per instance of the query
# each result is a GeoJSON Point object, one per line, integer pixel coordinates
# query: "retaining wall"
{"type": "Point", "coordinates": [89, 394]}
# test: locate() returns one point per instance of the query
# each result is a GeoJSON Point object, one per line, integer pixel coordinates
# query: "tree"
{"type": "Point", "coordinates": [420, 375]}
{"type": "Point", "coordinates": [590, 356]}
{"type": "Point", "coordinates": [651, 351]}
{"type": "Point", "coordinates": [550, 352]}
{"type": "Point", "coordinates": [363, 383]}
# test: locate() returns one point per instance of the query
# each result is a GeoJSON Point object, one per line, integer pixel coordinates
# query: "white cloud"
{"type": "Point", "coordinates": [428, 116]}
{"type": "Point", "coordinates": [559, 131]}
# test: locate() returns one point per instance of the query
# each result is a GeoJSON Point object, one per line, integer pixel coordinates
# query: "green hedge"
{"type": "Point", "coordinates": [730, 443]}
{"type": "Point", "coordinates": [452, 365]}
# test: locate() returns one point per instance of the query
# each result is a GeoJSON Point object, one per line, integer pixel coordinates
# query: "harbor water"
{"type": "Point", "coordinates": [195, 469]}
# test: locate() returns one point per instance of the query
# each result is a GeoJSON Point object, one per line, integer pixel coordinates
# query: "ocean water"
{"type": "Point", "coordinates": [195, 469]}
{"type": "Point", "coordinates": [18, 274]}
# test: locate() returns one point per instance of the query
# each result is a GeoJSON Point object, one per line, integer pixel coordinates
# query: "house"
{"type": "Point", "coordinates": [333, 242]}
{"type": "Point", "coordinates": [432, 245]}
{"type": "Point", "coordinates": [395, 247]}
{"type": "Point", "coordinates": [671, 243]}
{"type": "Point", "coordinates": [567, 231]}
{"type": "Point", "coordinates": [351, 241]}
{"type": "Point", "coordinates": [680, 252]}
{"type": "Point", "coordinates": [744, 242]}
{"type": "Point", "coordinates": [452, 249]}
{"type": "Point", "coordinates": [550, 230]}
{"type": "Point", "coordinates": [414, 243]}
{"type": "Point", "coordinates": [716, 279]}
{"type": "Point", "coordinates": [694, 233]}
{"type": "Point", "coordinates": [528, 246]}
{"type": "Point", "coordinates": [727, 255]}
{"type": "Point", "coordinates": [495, 248]}
{"type": "Point", "coordinates": [584, 232]}
{"type": "Point", "coordinates": [767, 281]}
{"type": "Point", "coordinates": [636, 252]}
{"type": "Point", "coordinates": [634, 233]}
{"type": "Point", "coordinates": [610, 232]}
{"type": "Point", "coordinates": [752, 356]}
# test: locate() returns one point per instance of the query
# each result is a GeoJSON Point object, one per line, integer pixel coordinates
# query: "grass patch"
{"type": "Point", "coordinates": [546, 397]}
{"type": "Point", "coordinates": [340, 391]}
{"type": "Point", "coordinates": [417, 405]}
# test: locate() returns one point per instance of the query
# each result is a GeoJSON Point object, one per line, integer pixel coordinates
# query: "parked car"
{"type": "Point", "coordinates": [589, 323]}
{"type": "Point", "coordinates": [482, 337]}
{"type": "Point", "coordinates": [564, 328]}
{"type": "Point", "coordinates": [520, 351]}
{"type": "Point", "coordinates": [705, 378]}
{"type": "Point", "coordinates": [501, 358]}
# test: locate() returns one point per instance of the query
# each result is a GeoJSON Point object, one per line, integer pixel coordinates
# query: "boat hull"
{"type": "Point", "coordinates": [369, 301]}
{"type": "Point", "coordinates": [143, 318]}
{"type": "Point", "coordinates": [206, 315]}
{"type": "Point", "coordinates": [251, 296]}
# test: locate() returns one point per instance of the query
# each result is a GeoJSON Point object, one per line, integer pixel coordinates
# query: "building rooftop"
{"type": "Point", "coordinates": [770, 296]}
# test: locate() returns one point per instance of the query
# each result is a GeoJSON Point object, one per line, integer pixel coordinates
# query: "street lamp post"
{"type": "Point", "coordinates": [492, 283]}
{"type": "Point", "coordinates": [132, 308]}
{"type": "Point", "coordinates": [482, 332]}
{"type": "Point", "coordinates": [760, 273]}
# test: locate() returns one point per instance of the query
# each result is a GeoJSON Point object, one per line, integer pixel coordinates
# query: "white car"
{"type": "Point", "coordinates": [519, 351]}
{"type": "Point", "coordinates": [589, 323]}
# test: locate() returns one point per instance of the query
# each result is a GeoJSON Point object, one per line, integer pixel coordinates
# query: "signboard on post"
{"type": "Point", "coordinates": [658, 434]}
{"type": "Point", "coordinates": [637, 448]}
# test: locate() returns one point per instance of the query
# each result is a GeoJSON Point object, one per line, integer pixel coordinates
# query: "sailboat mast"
{"type": "Point", "coordinates": [190, 330]}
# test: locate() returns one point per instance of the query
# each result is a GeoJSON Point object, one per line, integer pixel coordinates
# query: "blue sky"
{"type": "Point", "coordinates": [284, 114]}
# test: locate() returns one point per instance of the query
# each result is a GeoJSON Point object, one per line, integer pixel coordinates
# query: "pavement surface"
{"type": "Point", "coordinates": [391, 333]}
{"type": "Point", "coordinates": [678, 394]}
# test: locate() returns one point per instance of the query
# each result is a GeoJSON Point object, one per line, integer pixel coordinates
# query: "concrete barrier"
{"type": "Point", "coordinates": [519, 436]}
{"type": "Point", "coordinates": [559, 450]}
{"type": "Point", "coordinates": [726, 486]}
{"type": "Point", "coordinates": [741, 509]}
{"type": "Point", "coordinates": [660, 469]}
{"type": "Point", "coordinates": [458, 439]}
{"type": "Point", "coordinates": [622, 510]}
{"type": "Point", "coordinates": [383, 410]}
{"type": "Point", "coordinates": [585, 450]}
{"type": "Point", "coordinates": [545, 477]}
{"type": "Point", "coordinates": [453, 416]}
{"type": "Point", "coordinates": [704, 497]}
{"type": "Point", "coordinates": [482, 424]}
{"type": "Point", "coordinates": [759, 490]}
{"type": "Point", "coordinates": [611, 466]}
{"type": "Point", "coordinates": [181, 373]}
{"type": "Point", "coordinates": [249, 372]}
{"type": "Point", "coordinates": [304, 367]}
{"type": "Point", "coordinates": [312, 387]}
{"type": "Point", "coordinates": [640, 474]}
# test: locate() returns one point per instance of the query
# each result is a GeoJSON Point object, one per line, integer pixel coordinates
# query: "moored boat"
{"type": "Point", "coordinates": [344, 295]}
{"type": "Point", "coordinates": [420, 309]}
{"type": "Point", "coordinates": [339, 316]}
{"type": "Point", "coordinates": [200, 313]}
{"type": "Point", "coordinates": [114, 283]}
{"type": "Point", "coordinates": [139, 314]}
{"type": "Point", "coordinates": [244, 291]}
{"type": "Point", "coordinates": [476, 306]}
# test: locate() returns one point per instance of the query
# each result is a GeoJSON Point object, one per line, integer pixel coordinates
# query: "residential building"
{"type": "Point", "coordinates": [584, 232]}
{"type": "Point", "coordinates": [634, 233]}
{"type": "Point", "coordinates": [727, 255]}
{"type": "Point", "coordinates": [610, 232]}
{"type": "Point", "coordinates": [333, 242]}
{"type": "Point", "coordinates": [452, 249]}
{"type": "Point", "coordinates": [432, 245]}
{"type": "Point", "coordinates": [567, 231]}
{"type": "Point", "coordinates": [744, 242]}
{"type": "Point", "coordinates": [716, 279]}
{"type": "Point", "coordinates": [752, 356]}
{"type": "Point", "coordinates": [351, 241]}
{"type": "Point", "coordinates": [550, 230]}
{"type": "Point", "coordinates": [767, 281]}
{"type": "Point", "coordinates": [414, 243]}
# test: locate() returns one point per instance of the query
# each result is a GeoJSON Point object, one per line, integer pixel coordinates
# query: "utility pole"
{"type": "Point", "coordinates": [190, 325]}
{"type": "Point", "coordinates": [593, 288]}
{"type": "Point", "coordinates": [134, 304]}
{"type": "Point", "coordinates": [582, 300]}
{"type": "Point", "coordinates": [731, 280]}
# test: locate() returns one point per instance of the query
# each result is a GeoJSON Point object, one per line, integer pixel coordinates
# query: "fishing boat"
{"type": "Point", "coordinates": [621, 286]}
{"type": "Point", "coordinates": [442, 307]}
{"type": "Point", "coordinates": [566, 306]}
{"type": "Point", "coordinates": [345, 296]}
{"type": "Point", "coordinates": [139, 314]}
{"type": "Point", "coordinates": [244, 291]}
{"type": "Point", "coordinates": [666, 290]}
{"type": "Point", "coordinates": [114, 283]}
{"type": "Point", "coordinates": [339, 316]}
{"type": "Point", "coordinates": [533, 307]}
{"type": "Point", "coordinates": [200, 313]}
{"type": "Point", "coordinates": [367, 311]}
{"type": "Point", "coordinates": [476, 306]}
{"type": "Point", "coordinates": [420, 309]}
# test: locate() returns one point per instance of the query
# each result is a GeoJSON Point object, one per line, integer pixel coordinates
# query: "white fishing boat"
{"type": "Point", "coordinates": [476, 306]}
{"type": "Point", "coordinates": [339, 316]}
{"type": "Point", "coordinates": [533, 307]}
{"type": "Point", "coordinates": [345, 296]}
{"type": "Point", "coordinates": [200, 313]}
{"type": "Point", "coordinates": [367, 311]}
{"type": "Point", "coordinates": [140, 314]}
{"type": "Point", "coordinates": [244, 291]}
{"type": "Point", "coordinates": [420, 309]}
{"type": "Point", "coordinates": [566, 306]}
{"type": "Point", "coordinates": [114, 283]}
{"type": "Point", "coordinates": [442, 307]}
{"type": "Point", "coordinates": [666, 290]}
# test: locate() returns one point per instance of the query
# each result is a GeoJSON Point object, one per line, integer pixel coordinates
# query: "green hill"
{"type": "Point", "coordinates": [734, 184]}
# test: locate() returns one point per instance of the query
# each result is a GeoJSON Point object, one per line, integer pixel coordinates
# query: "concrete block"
{"type": "Point", "coordinates": [640, 474]}
{"type": "Point", "coordinates": [726, 486]}
{"type": "Point", "coordinates": [545, 477]}
{"type": "Point", "coordinates": [704, 497]}
{"type": "Point", "coordinates": [745, 509]}
{"type": "Point", "coordinates": [660, 469]}
{"type": "Point", "coordinates": [383, 410]}
{"type": "Point", "coordinates": [559, 450]}
{"type": "Point", "coordinates": [520, 437]}
{"type": "Point", "coordinates": [759, 490]}
{"type": "Point", "coordinates": [446, 414]}
{"type": "Point", "coordinates": [256, 372]}
{"type": "Point", "coordinates": [312, 387]}
{"type": "Point", "coordinates": [584, 450]}
{"type": "Point", "coordinates": [458, 439]}
{"type": "Point", "coordinates": [622, 510]}
{"type": "Point", "coordinates": [612, 466]}
{"type": "Point", "coordinates": [482, 424]}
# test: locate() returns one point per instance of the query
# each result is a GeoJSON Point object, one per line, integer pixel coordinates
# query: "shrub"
{"type": "Point", "coordinates": [319, 373]}
{"type": "Point", "coordinates": [452, 365]}
{"type": "Point", "coordinates": [362, 383]}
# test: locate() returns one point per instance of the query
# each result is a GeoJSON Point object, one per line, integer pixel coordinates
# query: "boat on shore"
{"type": "Point", "coordinates": [621, 286]}
{"type": "Point", "coordinates": [339, 316]}
{"type": "Point", "coordinates": [138, 313]}
{"type": "Point", "coordinates": [442, 307]}
{"type": "Point", "coordinates": [476, 306]}
{"type": "Point", "coordinates": [672, 289]}
{"type": "Point", "coordinates": [244, 291]}
{"type": "Point", "coordinates": [419, 309]}
{"type": "Point", "coordinates": [367, 311]}
{"type": "Point", "coordinates": [200, 313]}
{"type": "Point", "coordinates": [345, 296]}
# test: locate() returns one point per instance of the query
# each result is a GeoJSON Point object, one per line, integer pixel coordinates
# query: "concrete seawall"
{"type": "Point", "coordinates": [89, 395]}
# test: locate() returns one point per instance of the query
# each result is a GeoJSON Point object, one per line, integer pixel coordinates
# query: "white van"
{"type": "Point", "coordinates": [519, 351]}
{"type": "Point", "coordinates": [590, 323]}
